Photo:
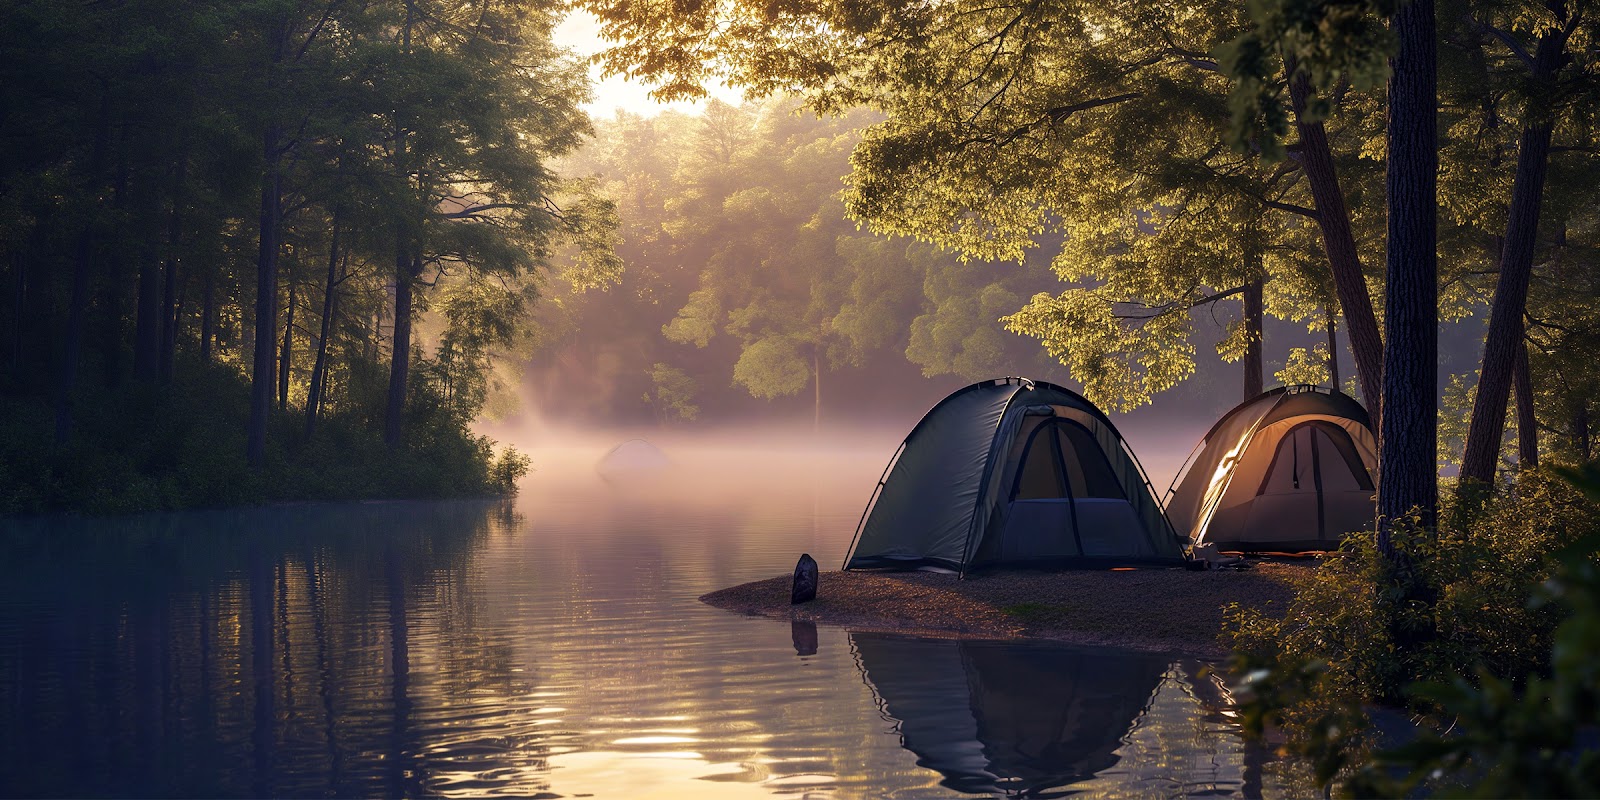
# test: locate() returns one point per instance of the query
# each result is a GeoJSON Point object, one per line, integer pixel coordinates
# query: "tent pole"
{"type": "Point", "coordinates": [871, 501]}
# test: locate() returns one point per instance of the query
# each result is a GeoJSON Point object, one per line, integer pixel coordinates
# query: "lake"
{"type": "Point", "coordinates": [552, 646]}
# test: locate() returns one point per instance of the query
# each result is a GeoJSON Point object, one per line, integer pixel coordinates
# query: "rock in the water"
{"type": "Point", "coordinates": [804, 634]}
{"type": "Point", "coordinates": [805, 580]}
{"type": "Point", "coordinates": [633, 460]}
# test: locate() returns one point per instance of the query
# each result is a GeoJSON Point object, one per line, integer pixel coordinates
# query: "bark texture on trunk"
{"type": "Point", "coordinates": [286, 353]}
{"type": "Point", "coordinates": [405, 271]}
{"type": "Point", "coordinates": [266, 322]}
{"type": "Point", "coordinates": [1253, 317]}
{"type": "Point", "coordinates": [1511, 289]}
{"type": "Point", "coordinates": [1527, 420]}
{"type": "Point", "coordinates": [1408, 479]}
{"type": "Point", "coordinates": [1339, 242]}
{"type": "Point", "coordinates": [1333, 349]}
{"type": "Point", "coordinates": [330, 301]}
{"type": "Point", "coordinates": [400, 357]}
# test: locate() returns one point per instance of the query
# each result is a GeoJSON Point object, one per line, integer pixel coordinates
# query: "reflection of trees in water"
{"type": "Point", "coordinates": [380, 650]}
{"type": "Point", "coordinates": [265, 652]}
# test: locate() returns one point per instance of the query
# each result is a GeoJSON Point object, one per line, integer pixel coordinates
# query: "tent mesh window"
{"type": "Point", "coordinates": [1315, 455]}
{"type": "Point", "coordinates": [1062, 461]}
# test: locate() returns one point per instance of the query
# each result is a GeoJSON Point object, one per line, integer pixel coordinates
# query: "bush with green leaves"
{"type": "Point", "coordinates": [158, 448]}
{"type": "Point", "coordinates": [1472, 624]}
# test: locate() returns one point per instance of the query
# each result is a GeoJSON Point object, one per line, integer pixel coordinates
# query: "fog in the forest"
{"type": "Point", "coordinates": [835, 460]}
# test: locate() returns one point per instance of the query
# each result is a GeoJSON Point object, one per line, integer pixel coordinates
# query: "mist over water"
{"type": "Point", "coordinates": [835, 461]}
{"type": "Point", "coordinates": [554, 646]}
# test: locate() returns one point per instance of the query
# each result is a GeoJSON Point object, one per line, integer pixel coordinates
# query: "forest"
{"type": "Point", "coordinates": [274, 250]}
{"type": "Point", "coordinates": [267, 250]}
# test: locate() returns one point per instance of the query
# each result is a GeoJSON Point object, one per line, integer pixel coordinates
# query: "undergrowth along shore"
{"type": "Point", "coordinates": [151, 447]}
{"type": "Point", "coordinates": [1488, 639]}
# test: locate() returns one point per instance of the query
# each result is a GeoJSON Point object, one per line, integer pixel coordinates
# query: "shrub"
{"type": "Point", "coordinates": [509, 469]}
{"type": "Point", "coordinates": [147, 448]}
{"type": "Point", "coordinates": [1335, 651]}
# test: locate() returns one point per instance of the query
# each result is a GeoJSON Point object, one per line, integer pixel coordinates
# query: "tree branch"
{"type": "Point", "coordinates": [1176, 305]}
{"type": "Point", "coordinates": [475, 210]}
{"type": "Point", "coordinates": [1290, 207]}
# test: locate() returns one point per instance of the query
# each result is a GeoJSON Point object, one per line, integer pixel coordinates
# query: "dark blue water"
{"type": "Point", "coordinates": [549, 646]}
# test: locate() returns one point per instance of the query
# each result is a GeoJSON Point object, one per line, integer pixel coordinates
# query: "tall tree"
{"type": "Point", "coordinates": [1505, 339]}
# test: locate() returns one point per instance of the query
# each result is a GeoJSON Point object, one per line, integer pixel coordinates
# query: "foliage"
{"type": "Point", "coordinates": [1089, 137]}
{"type": "Point", "coordinates": [1334, 653]}
{"type": "Point", "coordinates": [1140, 148]}
{"type": "Point", "coordinates": [1527, 734]}
{"type": "Point", "coordinates": [1305, 366]}
{"type": "Point", "coordinates": [674, 393]}
{"type": "Point", "coordinates": [744, 274]}
{"type": "Point", "coordinates": [177, 447]}
{"type": "Point", "coordinates": [246, 188]}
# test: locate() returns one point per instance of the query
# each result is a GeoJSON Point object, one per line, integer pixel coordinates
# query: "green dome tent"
{"type": "Point", "coordinates": [1289, 470]}
{"type": "Point", "coordinates": [1013, 471]}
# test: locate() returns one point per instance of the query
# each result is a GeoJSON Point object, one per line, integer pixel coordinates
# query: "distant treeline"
{"type": "Point", "coordinates": [267, 249]}
{"type": "Point", "coordinates": [745, 278]}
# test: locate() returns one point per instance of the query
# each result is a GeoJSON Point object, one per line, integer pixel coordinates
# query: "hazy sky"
{"type": "Point", "coordinates": [581, 32]}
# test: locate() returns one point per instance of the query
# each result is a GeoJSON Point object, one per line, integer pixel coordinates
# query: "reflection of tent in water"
{"type": "Point", "coordinates": [1289, 470]}
{"type": "Point", "coordinates": [1013, 471]}
{"type": "Point", "coordinates": [993, 716]}
{"type": "Point", "coordinates": [633, 458]}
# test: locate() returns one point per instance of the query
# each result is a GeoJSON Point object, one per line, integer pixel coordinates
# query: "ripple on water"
{"type": "Point", "coordinates": [548, 647]}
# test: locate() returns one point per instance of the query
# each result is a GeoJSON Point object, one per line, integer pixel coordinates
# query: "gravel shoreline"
{"type": "Point", "coordinates": [1160, 610]}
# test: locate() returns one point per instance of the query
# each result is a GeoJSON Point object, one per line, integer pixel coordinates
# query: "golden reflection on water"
{"type": "Point", "coordinates": [551, 646]}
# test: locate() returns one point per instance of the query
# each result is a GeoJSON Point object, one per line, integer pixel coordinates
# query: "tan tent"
{"type": "Point", "coordinates": [1289, 471]}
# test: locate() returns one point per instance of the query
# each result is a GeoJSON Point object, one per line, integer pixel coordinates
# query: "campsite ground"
{"type": "Point", "coordinates": [1166, 610]}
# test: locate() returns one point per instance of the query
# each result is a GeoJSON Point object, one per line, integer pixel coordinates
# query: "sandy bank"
{"type": "Point", "coordinates": [1160, 610]}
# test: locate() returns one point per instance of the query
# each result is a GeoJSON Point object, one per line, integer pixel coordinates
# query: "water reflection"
{"type": "Point", "coordinates": [1047, 720]}
{"type": "Point", "coordinates": [548, 647]}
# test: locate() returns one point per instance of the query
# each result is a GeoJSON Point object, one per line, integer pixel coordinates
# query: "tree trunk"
{"type": "Point", "coordinates": [150, 311]}
{"type": "Point", "coordinates": [266, 322]}
{"type": "Point", "coordinates": [1253, 382]}
{"type": "Point", "coordinates": [1408, 479]}
{"type": "Point", "coordinates": [1580, 429]}
{"type": "Point", "coordinates": [1333, 217]}
{"type": "Point", "coordinates": [1333, 348]}
{"type": "Point", "coordinates": [208, 314]}
{"type": "Point", "coordinates": [330, 300]}
{"type": "Point", "coordinates": [169, 291]}
{"type": "Point", "coordinates": [19, 309]}
{"type": "Point", "coordinates": [1527, 421]}
{"type": "Point", "coordinates": [77, 306]}
{"type": "Point", "coordinates": [816, 393]}
{"type": "Point", "coordinates": [404, 272]}
{"type": "Point", "coordinates": [286, 353]}
{"type": "Point", "coordinates": [400, 357]}
{"type": "Point", "coordinates": [67, 376]}
{"type": "Point", "coordinates": [1511, 289]}
{"type": "Point", "coordinates": [169, 352]}
{"type": "Point", "coordinates": [111, 333]}
{"type": "Point", "coordinates": [147, 325]}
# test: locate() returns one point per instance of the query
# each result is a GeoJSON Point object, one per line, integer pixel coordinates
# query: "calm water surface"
{"type": "Point", "coordinates": [550, 646]}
